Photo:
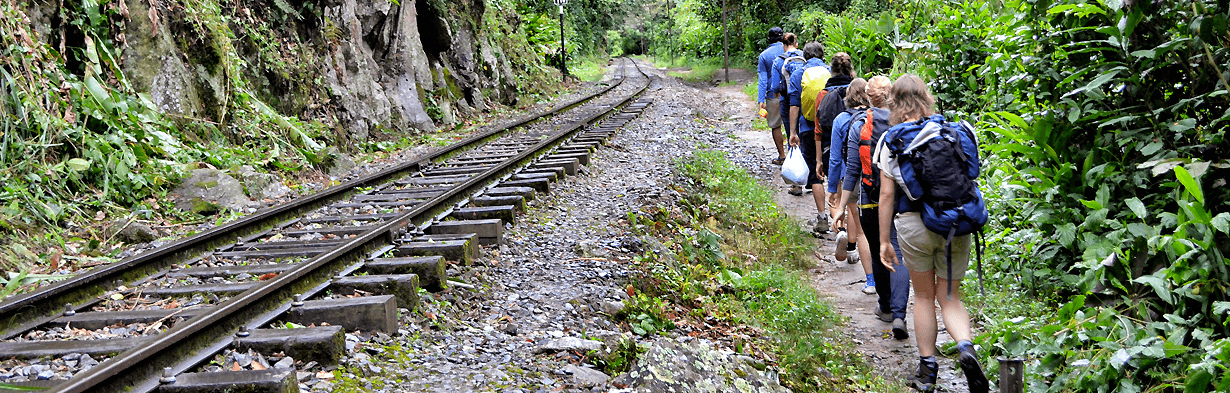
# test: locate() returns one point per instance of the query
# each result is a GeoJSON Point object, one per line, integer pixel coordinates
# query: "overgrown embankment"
{"type": "Point", "coordinates": [736, 261]}
{"type": "Point", "coordinates": [104, 105]}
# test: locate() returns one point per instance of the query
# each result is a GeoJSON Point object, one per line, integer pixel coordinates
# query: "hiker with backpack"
{"type": "Point", "coordinates": [769, 99]}
{"type": "Point", "coordinates": [778, 76]}
{"type": "Point", "coordinates": [861, 178]}
{"type": "Point", "coordinates": [805, 84]}
{"type": "Point", "coordinates": [856, 250]}
{"type": "Point", "coordinates": [928, 188]}
{"type": "Point", "coordinates": [830, 102]}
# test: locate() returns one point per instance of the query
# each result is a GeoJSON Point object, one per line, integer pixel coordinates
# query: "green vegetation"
{"type": "Point", "coordinates": [1104, 124]}
{"type": "Point", "coordinates": [731, 257]}
{"type": "Point", "coordinates": [82, 139]}
{"type": "Point", "coordinates": [589, 69]}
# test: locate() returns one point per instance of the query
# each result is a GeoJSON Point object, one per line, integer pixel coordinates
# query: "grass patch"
{"type": "Point", "coordinates": [697, 70]}
{"type": "Point", "coordinates": [589, 69]}
{"type": "Point", "coordinates": [731, 257]}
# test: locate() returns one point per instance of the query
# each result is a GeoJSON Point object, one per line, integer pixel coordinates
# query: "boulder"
{"type": "Point", "coordinates": [585, 376]}
{"type": "Point", "coordinates": [131, 232]}
{"type": "Point", "coordinates": [206, 191]}
{"type": "Point", "coordinates": [670, 366]}
{"type": "Point", "coordinates": [261, 185]}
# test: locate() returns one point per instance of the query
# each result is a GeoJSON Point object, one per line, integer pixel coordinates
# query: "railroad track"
{"type": "Point", "coordinates": [288, 281]}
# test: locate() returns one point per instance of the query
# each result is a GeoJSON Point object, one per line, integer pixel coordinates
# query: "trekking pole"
{"type": "Point", "coordinates": [1011, 375]}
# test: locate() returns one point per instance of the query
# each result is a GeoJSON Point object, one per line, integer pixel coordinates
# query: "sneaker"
{"type": "Point", "coordinates": [899, 331]}
{"type": "Point", "coordinates": [884, 316]}
{"type": "Point", "coordinates": [924, 379]}
{"type": "Point", "coordinates": [842, 238]}
{"type": "Point", "coordinates": [796, 191]}
{"type": "Point", "coordinates": [870, 290]}
{"type": "Point", "coordinates": [968, 359]}
{"type": "Point", "coordinates": [854, 258]}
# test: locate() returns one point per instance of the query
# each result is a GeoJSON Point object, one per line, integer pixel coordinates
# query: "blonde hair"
{"type": "Point", "coordinates": [909, 100]}
{"type": "Point", "coordinates": [856, 94]}
{"type": "Point", "coordinates": [877, 91]}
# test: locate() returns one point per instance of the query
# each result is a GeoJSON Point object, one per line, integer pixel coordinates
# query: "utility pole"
{"type": "Point", "coordinates": [563, 55]}
{"type": "Point", "coordinates": [725, 42]}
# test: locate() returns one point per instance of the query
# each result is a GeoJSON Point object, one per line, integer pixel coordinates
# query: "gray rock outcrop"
{"type": "Point", "coordinates": [670, 367]}
{"type": "Point", "coordinates": [206, 190]}
{"type": "Point", "coordinates": [261, 185]}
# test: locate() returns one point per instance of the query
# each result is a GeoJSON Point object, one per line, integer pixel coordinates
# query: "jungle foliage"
{"type": "Point", "coordinates": [1105, 123]}
{"type": "Point", "coordinates": [79, 138]}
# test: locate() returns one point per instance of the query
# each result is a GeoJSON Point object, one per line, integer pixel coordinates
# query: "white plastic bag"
{"type": "Point", "coordinates": [794, 170]}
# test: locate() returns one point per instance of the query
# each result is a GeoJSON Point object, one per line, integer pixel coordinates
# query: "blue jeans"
{"type": "Point", "coordinates": [892, 287]}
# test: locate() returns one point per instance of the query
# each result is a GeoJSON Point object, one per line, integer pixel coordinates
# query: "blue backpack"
{"type": "Point", "coordinates": [937, 164]}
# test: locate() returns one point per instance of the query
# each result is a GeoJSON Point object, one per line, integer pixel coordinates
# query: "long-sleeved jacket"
{"type": "Point", "coordinates": [764, 67]}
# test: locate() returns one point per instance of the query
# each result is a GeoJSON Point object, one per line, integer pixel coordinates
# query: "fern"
{"type": "Point", "coordinates": [288, 9]}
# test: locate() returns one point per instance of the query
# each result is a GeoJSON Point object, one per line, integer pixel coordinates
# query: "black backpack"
{"type": "Point", "coordinates": [833, 104]}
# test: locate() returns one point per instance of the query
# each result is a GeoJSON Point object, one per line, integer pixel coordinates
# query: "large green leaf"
{"type": "Point", "coordinates": [1158, 283]}
{"type": "Point", "coordinates": [1189, 183]}
{"type": "Point", "coordinates": [1137, 207]}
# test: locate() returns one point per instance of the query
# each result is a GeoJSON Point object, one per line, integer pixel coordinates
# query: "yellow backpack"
{"type": "Point", "coordinates": [813, 84]}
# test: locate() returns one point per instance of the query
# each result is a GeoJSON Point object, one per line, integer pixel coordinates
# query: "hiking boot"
{"type": "Point", "coordinates": [968, 360]}
{"type": "Point", "coordinates": [842, 238]}
{"type": "Point", "coordinates": [924, 379]}
{"type": "Point", "coordinates": [822, 224]}
{"type": "Point", "coordinates": [899, 331]}
{"type": "Point", "coordinates": [884, 316]}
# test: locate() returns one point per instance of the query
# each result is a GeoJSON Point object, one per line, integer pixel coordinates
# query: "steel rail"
{"type": "Point", "coordinates": [138, 369]}
{"type": "Point", "coordinates": [25, 312]}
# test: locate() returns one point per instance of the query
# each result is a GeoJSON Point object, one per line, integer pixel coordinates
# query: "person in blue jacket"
{"type": "Point", "coordinates": [855, 247]}
{"type": "Point", "coordinates": [804, 130]}
{"type": "Point", "coordinates": [768, 99]}
{"type": "Point", "coordinates": [892, 285]}
{"type": "Point", "coordinates": [777, 84]}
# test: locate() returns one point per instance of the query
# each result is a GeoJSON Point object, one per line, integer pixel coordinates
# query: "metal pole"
{"type": "Point", "coordinates": [563, 56]}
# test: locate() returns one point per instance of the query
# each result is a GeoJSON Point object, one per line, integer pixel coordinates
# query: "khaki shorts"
{"type": "Point", "coordinates": [924, 250]}
{"type": "Point", "coordinates": [773, 106]}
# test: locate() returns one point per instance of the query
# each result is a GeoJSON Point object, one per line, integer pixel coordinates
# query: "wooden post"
{"type": "Point", "coordinates": [725, 42]}
{"type": "Point", "coordinates": [1011, 375]}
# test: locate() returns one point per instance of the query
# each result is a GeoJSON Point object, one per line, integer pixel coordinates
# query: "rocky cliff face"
{"type": "Point", "coordinates": [359, 66]}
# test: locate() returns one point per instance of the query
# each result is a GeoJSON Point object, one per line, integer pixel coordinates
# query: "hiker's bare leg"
{"type": "Point", "coordinates": [780, 141]}
{"type": "Point", "coordinates": [956, 317]}
{"type": "Point", "coordinates": [924, 311]}
{"type": "Point", "coordinates": [854, 229]}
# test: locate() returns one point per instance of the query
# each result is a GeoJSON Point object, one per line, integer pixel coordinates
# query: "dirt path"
{"type": "Point", "coordinates": [841, 283]}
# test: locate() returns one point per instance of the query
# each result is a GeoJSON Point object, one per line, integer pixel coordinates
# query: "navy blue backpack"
{"type": "Point", "coordinates": [938, 166]}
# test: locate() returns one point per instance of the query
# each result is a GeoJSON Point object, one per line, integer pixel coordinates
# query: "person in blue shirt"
{"type": "Point", "coordinates": [777, 84]}
{"type": "Point", "coordinates": [855, 248]}
{"type": "Point", "coordinates": [769, 100]}
{"type": "Point", "coordinates": [803, 130]}
{"type": "Point", "coordinates": [892, 286]}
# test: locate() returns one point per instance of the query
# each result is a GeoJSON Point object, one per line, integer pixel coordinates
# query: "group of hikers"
{"type": "Point", "coordinates": [867, 190]}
